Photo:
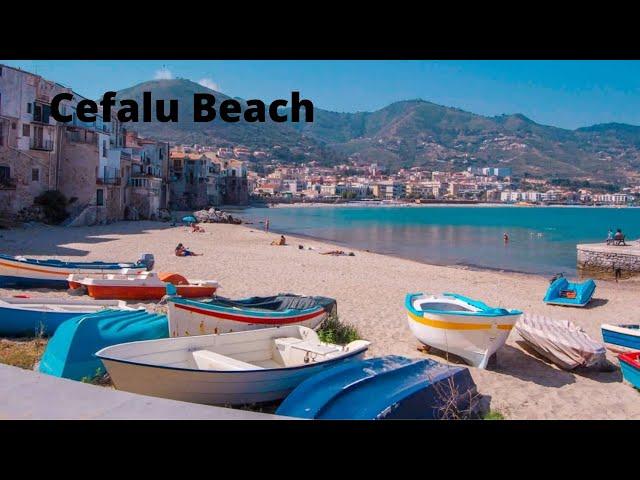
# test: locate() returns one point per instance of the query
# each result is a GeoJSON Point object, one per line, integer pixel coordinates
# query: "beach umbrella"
{"type": "Point", "coordinates": [189, 219]}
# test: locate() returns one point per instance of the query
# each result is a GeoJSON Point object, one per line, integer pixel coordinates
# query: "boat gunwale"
{"type": "Point", "coordinates": [234, 372]}
{"type": "Point", "coordinates": [481, 313]}
{"type": "Point", "coordinates": [622, 329]}
{"type": "Point", "coordinates": [71, 265]}
{"type": "Point", "coordinates": [239, 311]}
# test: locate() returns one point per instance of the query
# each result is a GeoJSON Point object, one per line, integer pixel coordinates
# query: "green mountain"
{"type": "Point", "coordinates": [415, 133]}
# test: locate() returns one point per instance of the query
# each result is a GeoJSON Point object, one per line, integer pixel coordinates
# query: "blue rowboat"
{"type": "Point", "coordinates": [22, 272]}
{"type": "Point", "coordinates": [26, 317]}
{"type": "Point", "coordinates": [71, 351]}
{"type": "Point", "coordinates": [390, 387]}
{"type": "Point", "coordinates": [563, 292]}
{"type": "Point", "coordinates": [622, 338]}
{"type": "Point", "coordinates": [630, 366]}
{"type": "Point", "coordinates": [224, 315]}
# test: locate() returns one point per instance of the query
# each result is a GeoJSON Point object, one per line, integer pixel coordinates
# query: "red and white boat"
{"type": "Point", "coordinates": [143, 286]}
{"type": "Point", "coordinates": [223, 315]}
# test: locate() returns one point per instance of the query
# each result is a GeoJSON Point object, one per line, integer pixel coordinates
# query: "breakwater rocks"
{"type": "Point", "coordinates": [602, 260]}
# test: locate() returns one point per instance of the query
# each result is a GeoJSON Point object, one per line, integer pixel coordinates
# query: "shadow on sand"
{"type": "Point", "coordinates": [49, 240]}
{"type": "Point", "coordinates": [596, 302]}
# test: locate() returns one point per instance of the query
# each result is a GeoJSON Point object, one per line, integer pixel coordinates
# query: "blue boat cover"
{"type": "Point", "coordinates": [390, 387]}
{"type": "Point", "coordinates": [583, 292]}
{"type": "Point", "coordinates": [629, 341]}
{"type": "Point", "coordinates": [21, 322]}
{"type": "Point", "coordinates": [71, 351]}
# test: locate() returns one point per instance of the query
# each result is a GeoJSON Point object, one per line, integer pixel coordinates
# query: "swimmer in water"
{"type": "Point", "coordinates": [506, 237]}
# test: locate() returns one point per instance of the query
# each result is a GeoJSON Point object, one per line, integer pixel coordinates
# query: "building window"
{"type": "Point", "coordinates": [100, 197]}
{"type": "Point", "coordinates": [35, 174]}
{"type": "Point", "coordinates": [26, 131]}
{"type": "Point", "coordinates": [104, 148]}
{"type": "Point", "coordinates": [0, 71]}
{"type": "Point", "coordinates": [28, 108]}
{"type": "Point", "coordinates": [5, 174]}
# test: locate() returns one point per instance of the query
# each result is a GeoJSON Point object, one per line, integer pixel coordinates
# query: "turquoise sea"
{"type": "Point", "coordinates": [542, 239]}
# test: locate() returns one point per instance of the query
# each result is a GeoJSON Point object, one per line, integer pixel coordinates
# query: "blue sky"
{"type": "Point", "coordinates": [567, 94]}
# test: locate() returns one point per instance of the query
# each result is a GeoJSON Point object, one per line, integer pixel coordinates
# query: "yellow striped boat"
{"type": "Point", "coordinates": [459, 325]}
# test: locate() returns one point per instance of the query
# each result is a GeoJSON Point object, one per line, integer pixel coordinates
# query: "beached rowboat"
{"type": "Point", "coordinates": [564, 343]}
{"type": "Point", "coordinates": [621, 338]}
{"type": "Point", "coordinates": [390, 387]}
{"type": "Point", "coordinates": [21, 272]}
{"type": "Point", "coordinates": [228, 369]}
{"type": "Point", "coordinates": [34, 316]}
{"type": "Point", "coordinates": [459, 325]}
{"type": "Point", "coordinates": [630, 366]}
{"type": "Point", "coordinates": [222, 315]}
{"type": "Point", "coordinates": [145, 286]}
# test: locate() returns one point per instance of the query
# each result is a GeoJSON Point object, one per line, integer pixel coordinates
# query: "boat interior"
{"type": "Point", "coordinates": [444, 304]}
{"type": "Point", "coordinates": [231, 353]}
{"type": "Point", "coordinates": [276, 303]}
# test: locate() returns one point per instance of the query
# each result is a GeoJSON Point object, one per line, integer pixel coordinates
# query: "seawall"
{"type": "Point", "coordinates": [601, 260]}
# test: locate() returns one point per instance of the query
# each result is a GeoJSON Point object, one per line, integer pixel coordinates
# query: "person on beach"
{"type": "Point", "coordinates": [618, 238]}
{"type": "Point", "coordinates": [195, 228]}
{"type": "Point", "coordinates": [182, 251]}
{"type": "Point", "coordinates": [610, 237]}
{"type": "Point", "coordinates": [266, 225]}
{"type": "Point", "coordinates": [505, 237]}
{"type": "Point", "coordinates": [281, 242]}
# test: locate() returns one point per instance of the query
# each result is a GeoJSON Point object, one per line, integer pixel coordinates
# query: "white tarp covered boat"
{"type": "Point", "coordinates": [228, 369]}
{"type": "Point", "coordinates": [562, 342]}
{"type": "Point", "coordinates": [459, 325]}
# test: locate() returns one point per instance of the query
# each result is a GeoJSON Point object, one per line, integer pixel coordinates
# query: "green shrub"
{"type": "Point", "coordinates": [334, 331]}
{"type": "Point", "coordinates": [493, 415]}
{"type": "Point", "coordinates": [54, 206]}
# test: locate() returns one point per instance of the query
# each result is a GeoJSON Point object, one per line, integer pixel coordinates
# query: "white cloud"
{"type": "Point", "coordinates": [209, 83]}
{"type": "Point", "coordinates": [163, 74]}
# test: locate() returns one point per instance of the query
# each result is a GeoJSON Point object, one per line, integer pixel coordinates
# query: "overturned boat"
{"type": "Point", "coordinates": [42, 316]}
{"type": "Point", "coordinates": [562, 342]}
{"type": "Point", "coordinates": [222, 315]}
{"type": "Point", "coordinates": [570, 294]}
{"type": "Point", "coordinates": [456, 324]}
{"type": "Point", "coordinates": [22, 272]}
{"type": "Point", "coordinates": [230, 369]}
{"type": "Point", "coordinates": [71, 351]}
{"type": "Point", "coordinates": [390, 387]}
{"type": "Point", "coordinates": [142, 286]}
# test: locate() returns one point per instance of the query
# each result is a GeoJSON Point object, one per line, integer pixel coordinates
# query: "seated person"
{"type": "Point", "coordinates": [195, 228]}
{"type": "Point", "coordinates": [609, 237]}
{"type": "Point", "coordinates": [280, 242]}
{"type": "Point", "coordinates": [618, 238]}
{"type": "Point", "coordinates": [182, 251]}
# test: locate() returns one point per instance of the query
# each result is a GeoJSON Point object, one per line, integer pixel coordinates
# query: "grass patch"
{"type": "Point", "coordinates": [493, 415]}
{"type": "Point", "coordinates": [100, 379]}
{"type": "Point", "coordinates": [22, 352]}
{"type": "Point", "coordinates": [334, 331]}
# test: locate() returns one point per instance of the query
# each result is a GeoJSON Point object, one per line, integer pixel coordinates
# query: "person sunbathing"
{"type": "Point", "coordinates": [182, 251]}
{"type": "Point", "coordinates": [281, 242]}
{"type": "Point", "coordinates": [195, 228]}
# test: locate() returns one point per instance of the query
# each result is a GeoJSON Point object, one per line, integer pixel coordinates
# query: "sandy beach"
{"type": "Point", "coordinates": [370, 290]}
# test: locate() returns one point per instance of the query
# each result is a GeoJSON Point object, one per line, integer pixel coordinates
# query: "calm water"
{"type": "Point", "coordinates": [542, 239]}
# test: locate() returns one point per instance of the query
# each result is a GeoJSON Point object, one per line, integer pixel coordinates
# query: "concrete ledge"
{"type": "Point", "coordinates": [35, 396]}
{"type": "Point", "coordinates": [602, 260]}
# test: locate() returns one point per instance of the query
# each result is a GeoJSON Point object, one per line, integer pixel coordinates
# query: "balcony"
{"type": "Point", "coordinates": [108, 181]}
{"type": "Point", "coordinates": [38, 144]}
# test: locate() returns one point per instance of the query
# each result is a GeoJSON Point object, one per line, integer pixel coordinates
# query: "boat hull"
{"type": "Point", "coordinates": [29, 274]}
{"type": "Point", "coordinates": [630, 366]}
{"type": "Point", "coordinates": [389, 387]}
{"type": "Point", "coordinates": [214, 387]}
{"type": "Point", "coordinates": [473, 338]}
{"type": "Point", "coordinates": [132, 292]}
{"type": "Point", "coordinates": [621, 338]}
{"type": "Point", "coordinates": [192, 318]}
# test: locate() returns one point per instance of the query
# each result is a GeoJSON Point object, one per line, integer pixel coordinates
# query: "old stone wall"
{"type": "Point", "coordinates": [603, 262]}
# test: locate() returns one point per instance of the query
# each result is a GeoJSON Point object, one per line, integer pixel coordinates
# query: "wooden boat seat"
{"type": "Point", "coordinates": [313, 347]}
{"type": "Point", "coordinates": [208, 360]}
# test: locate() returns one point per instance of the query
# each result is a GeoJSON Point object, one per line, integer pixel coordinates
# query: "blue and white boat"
{"type": "Point", "coordinates": [26, 317]}
{"type": "Point", "coordinates": [570, 294]}
{"type": "Point", "coordinates": [621, 338]}
{"type": "Point", "coordinates": [390, 387]}
{"type": "Point", "coordinates": [70, 353]}
{"type": "Point", "coordinates": [459, 325]}
{"type": "Point", "coordinates": [22, 272]}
